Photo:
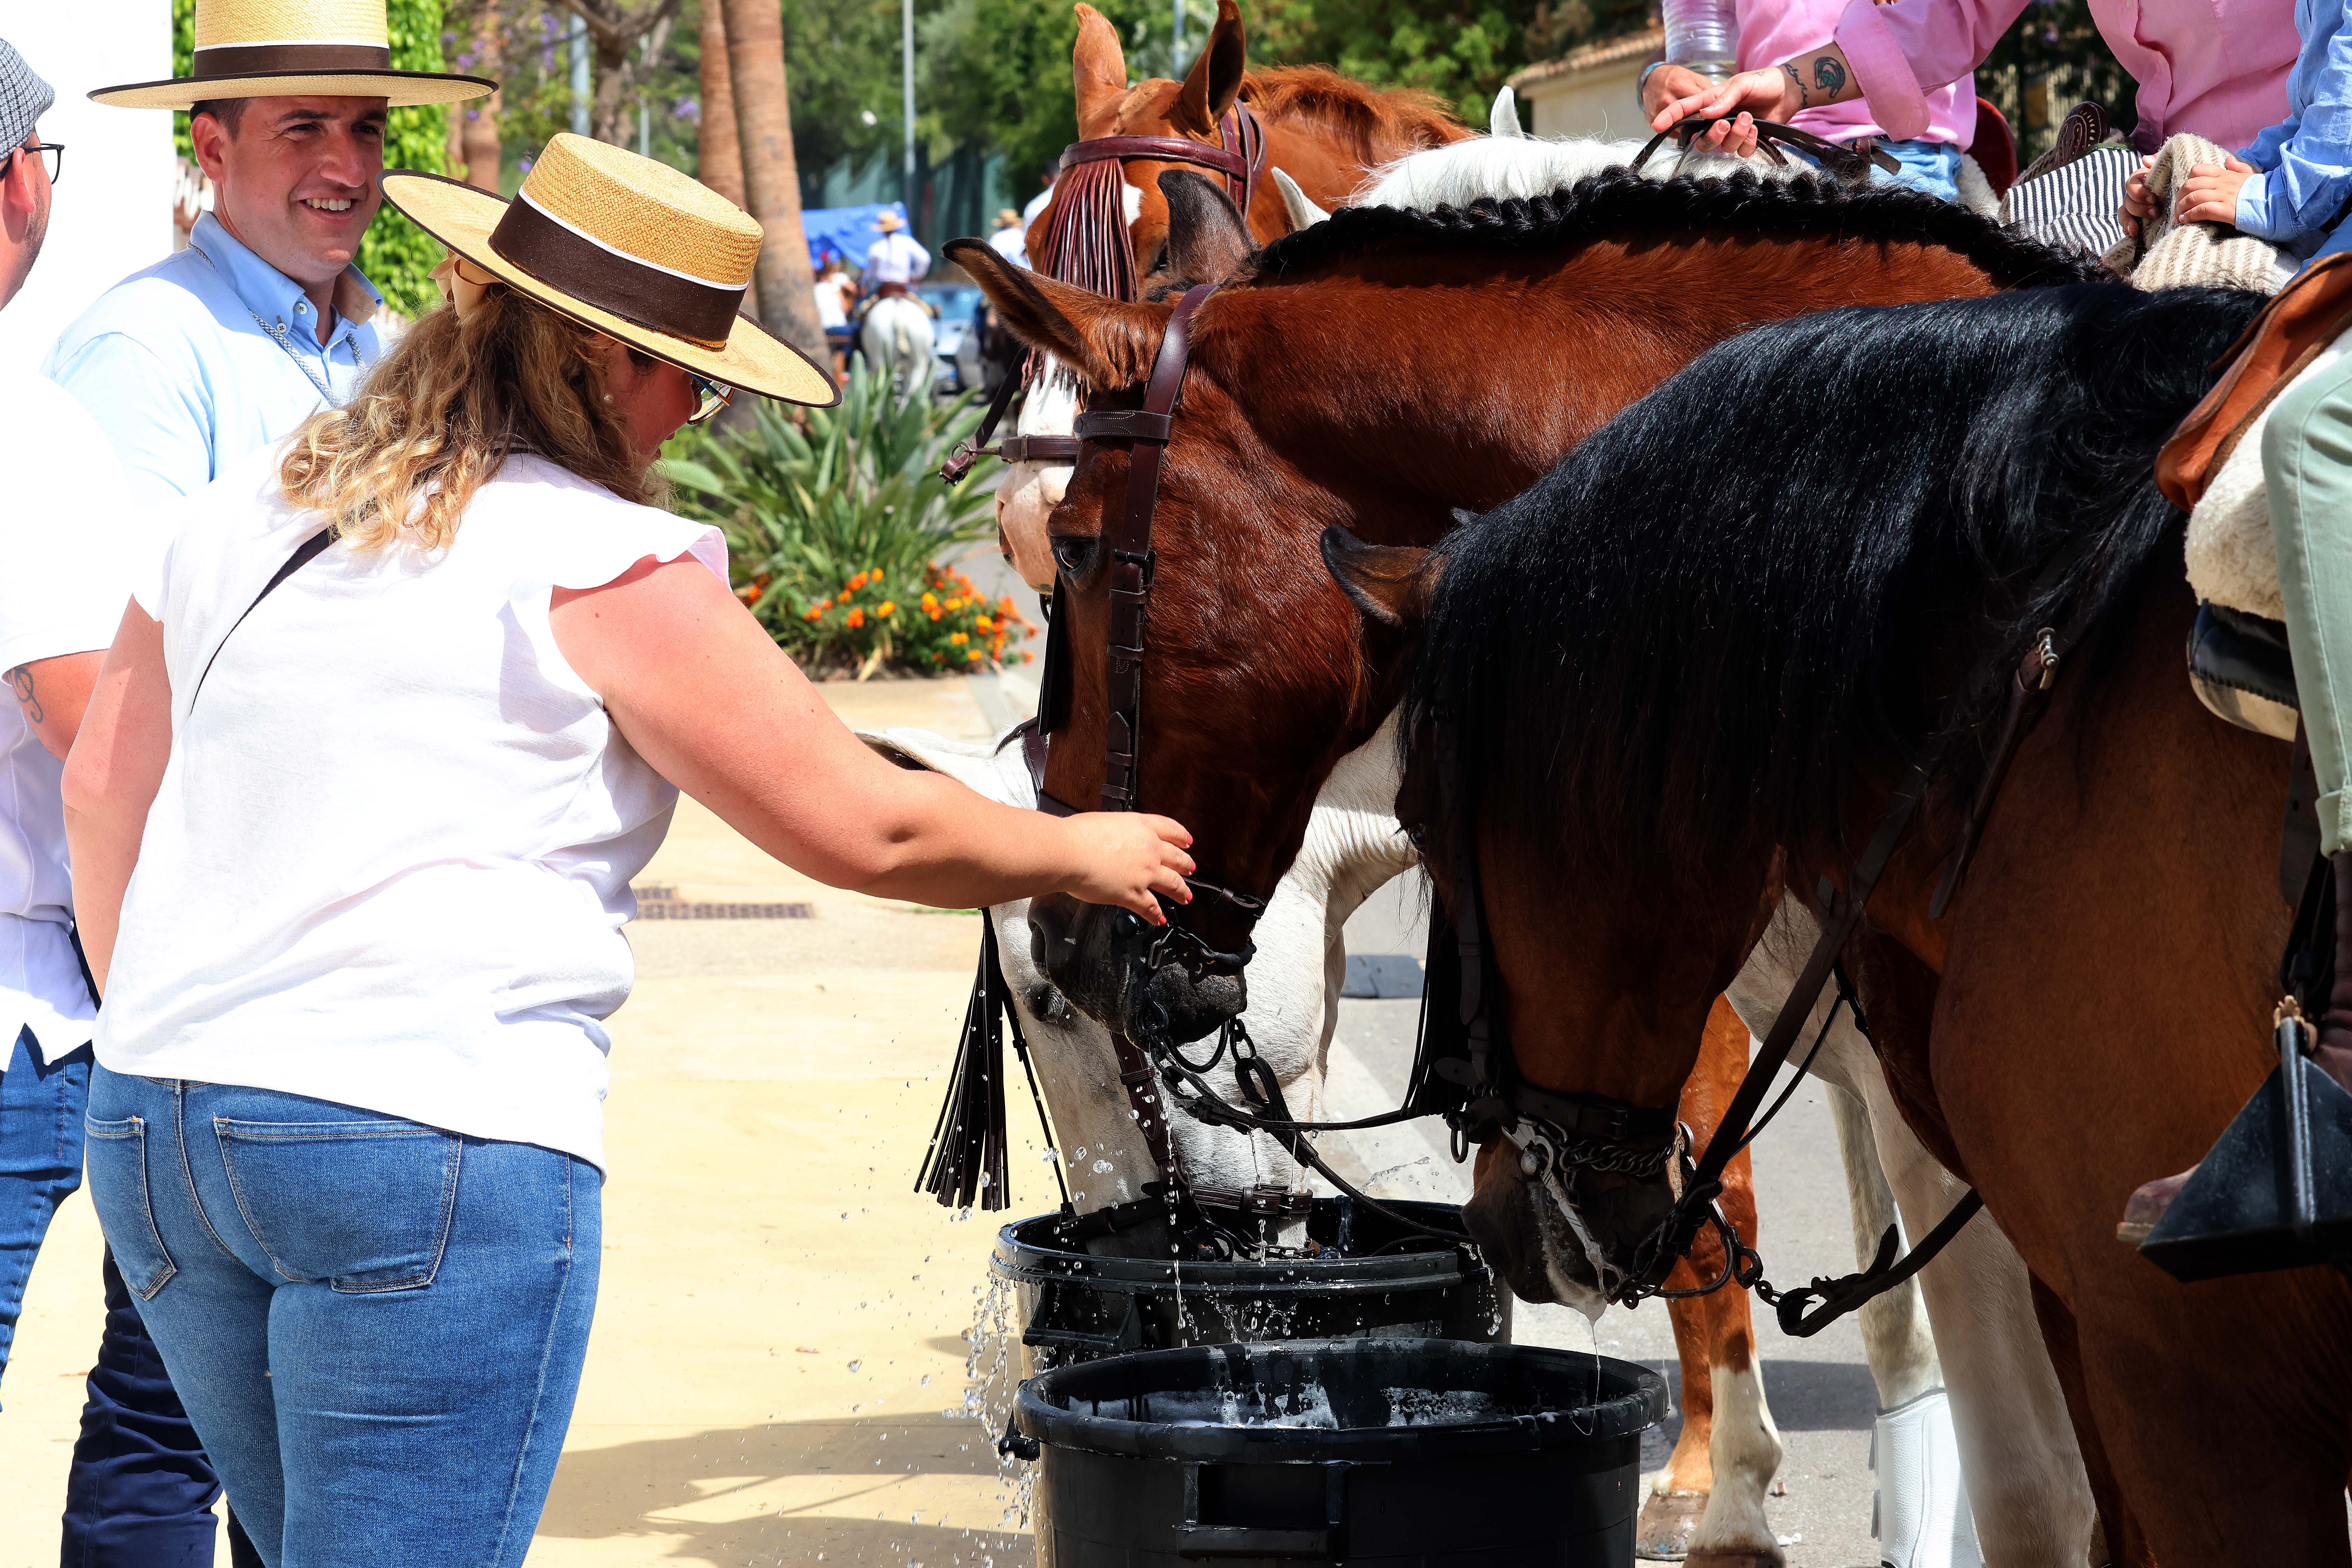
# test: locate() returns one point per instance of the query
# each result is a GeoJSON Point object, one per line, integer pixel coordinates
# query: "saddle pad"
{"type": "Point", "coordinates": [2171, 255]}
{"type": "Point", "coordinates": [2072, 207]}
{"type": "Point", "coordinates": [2229, 554]}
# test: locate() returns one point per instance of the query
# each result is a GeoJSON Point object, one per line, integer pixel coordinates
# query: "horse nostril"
{"type": "Point", "coordinates": [1049, 1005]}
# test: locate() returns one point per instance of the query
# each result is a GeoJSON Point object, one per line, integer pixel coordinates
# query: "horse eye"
{"type": "Point", "coordinates": [1071, 554]}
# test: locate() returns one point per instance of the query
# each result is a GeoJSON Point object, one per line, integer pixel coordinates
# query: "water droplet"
{"type": "Point", "coordinates": [1102, 1167]}
{"type": "Point", "coordinates": [856, 1364]}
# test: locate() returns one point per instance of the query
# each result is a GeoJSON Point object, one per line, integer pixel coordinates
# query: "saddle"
{"type": "Point", "coordinates": [2212, 468]}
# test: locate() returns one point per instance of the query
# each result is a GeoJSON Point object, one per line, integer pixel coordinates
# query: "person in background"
{"type": "Point", "coordinates": [894, 263]}
{"type": "Point", "coordinates": [230, 344]}
{"type": "Point", "coordinates": [2292, 183]}
{"type": "Point", "coordinates": [139, 1490]}
{"type": "Point", "coordinates": [1044, 196]}
{"type": "Point", "coordinates": [457, 604]}
{"type": "Point", "coordinates": [2214, 67]}
{"type": "Point", "coordinates": [1774, 32]}
{"type": "Point", "coordinates": [836, 292]}
{"type": "Point", "coordinates": [1010, 240]}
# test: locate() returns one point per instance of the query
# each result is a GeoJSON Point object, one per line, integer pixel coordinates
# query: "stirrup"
{"type": "Point", "coordinates": [2276, 1191]}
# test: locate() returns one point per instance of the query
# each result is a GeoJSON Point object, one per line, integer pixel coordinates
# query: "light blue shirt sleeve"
{"type": "Point", "coordinates": [2307, 159]}
{"type": "Point", "coordinates": [156, 418]}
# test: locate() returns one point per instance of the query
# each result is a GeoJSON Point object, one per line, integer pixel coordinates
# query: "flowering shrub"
{"type": "Point", "coordinates": [935, 620]}
{"type": "Point", "coordinates": [835, 521]}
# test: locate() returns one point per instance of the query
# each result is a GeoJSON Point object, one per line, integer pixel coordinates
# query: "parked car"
{"type": "Point", "coordinates": [958, 304]}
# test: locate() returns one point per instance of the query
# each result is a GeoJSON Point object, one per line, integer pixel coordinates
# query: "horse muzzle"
{"type": "Point", "coordinates": [1152, 984]}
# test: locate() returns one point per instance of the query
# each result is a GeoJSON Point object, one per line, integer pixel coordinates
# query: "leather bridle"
{"type": "Point", "coordinates": [1089, 245]}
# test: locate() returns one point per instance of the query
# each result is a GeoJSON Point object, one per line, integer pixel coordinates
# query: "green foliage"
{"type": "Point", "coordinates": [395, 255]}
{"type": "Point", "coordinates": [1459, 49]}
{"type": "Point", "coordinates": [835, 520]}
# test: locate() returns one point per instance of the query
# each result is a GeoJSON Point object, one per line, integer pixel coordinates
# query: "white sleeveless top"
{"type": "Point", "coordinates": [390, 859]}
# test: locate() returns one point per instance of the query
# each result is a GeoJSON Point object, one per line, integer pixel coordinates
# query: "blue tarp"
{"type": "Point", "coordinates": [846, 232]}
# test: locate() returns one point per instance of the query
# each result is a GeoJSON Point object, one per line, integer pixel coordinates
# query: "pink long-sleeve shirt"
{"type": "Point", "coordinates": [2215, 68]}
{"type": "Point", "coordinates": [1771, 31]}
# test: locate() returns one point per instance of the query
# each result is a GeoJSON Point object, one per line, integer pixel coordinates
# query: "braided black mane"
{"type": "Point", "coordinates": [1618, 203]}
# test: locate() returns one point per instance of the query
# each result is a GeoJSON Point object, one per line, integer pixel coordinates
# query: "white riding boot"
{"type": "Point", "coordinates": [1921, 1516]}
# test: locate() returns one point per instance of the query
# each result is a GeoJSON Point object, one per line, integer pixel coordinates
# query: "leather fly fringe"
{"type": "Point", "coordinates": [967, 1156]}
{"type": "Point", "coordinates": [1087, 244]}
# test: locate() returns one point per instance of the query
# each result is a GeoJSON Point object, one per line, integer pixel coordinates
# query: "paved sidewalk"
{"type": "Point", "coordinates": [779, 1327]}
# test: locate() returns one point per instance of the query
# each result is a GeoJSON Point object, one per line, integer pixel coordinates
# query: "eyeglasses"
{"type": "Point", "coordinates": [709, 397]}
{"type": "Point", "coordinates": [53, 155]}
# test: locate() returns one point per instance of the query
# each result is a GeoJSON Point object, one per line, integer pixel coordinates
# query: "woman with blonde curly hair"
{"type": "Point", "coordinates": [353, 817]}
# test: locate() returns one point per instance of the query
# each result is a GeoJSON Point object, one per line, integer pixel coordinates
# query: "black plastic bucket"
{"type": "Point", "coordinates": [1500, 1457]}
{"type": "Point", "coordinates": [1371, 1279]}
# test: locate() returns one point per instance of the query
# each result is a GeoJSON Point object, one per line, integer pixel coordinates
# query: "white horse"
{"type": "Point", "coordinates": [2025, 1488]}
{"type": "Point", "coordinates": [896, 342]}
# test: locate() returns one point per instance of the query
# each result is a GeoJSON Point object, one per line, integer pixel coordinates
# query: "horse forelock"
{"type": "Point", "coordinates": [1377, 120]}
{"type": "Point", "coordinates": [1729, 616]}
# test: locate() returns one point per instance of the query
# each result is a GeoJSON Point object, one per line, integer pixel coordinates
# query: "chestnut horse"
{"type": "Point", "coordinates": [1323, 131]}
{"type": "Point", "coordinates": [1429, 400]}
{"type": "Point", "coordinates": [1802, 568]}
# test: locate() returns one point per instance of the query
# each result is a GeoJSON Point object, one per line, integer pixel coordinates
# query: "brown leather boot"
{"type": "Point", "coordinates": [2331, 1053]}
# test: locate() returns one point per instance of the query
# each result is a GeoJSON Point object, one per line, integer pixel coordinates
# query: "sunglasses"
{"type": "Point", "coordinates": [709, 397]}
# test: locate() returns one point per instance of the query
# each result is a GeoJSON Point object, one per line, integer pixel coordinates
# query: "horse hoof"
{"type": "Point", "coordinates": [1740, 1559]}
{"type": "Point", "coordinates": [1663, 1533]}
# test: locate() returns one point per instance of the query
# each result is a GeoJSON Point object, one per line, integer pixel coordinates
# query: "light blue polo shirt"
{"type": "Point", "coordinates": [209, 355]}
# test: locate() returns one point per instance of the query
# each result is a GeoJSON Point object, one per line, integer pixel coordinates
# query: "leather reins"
{"type": "Point", "coordinates": [1089, 245]}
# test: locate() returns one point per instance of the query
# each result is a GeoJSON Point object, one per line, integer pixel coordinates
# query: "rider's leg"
{"type": "Point", "coordinates": [2308, 470]}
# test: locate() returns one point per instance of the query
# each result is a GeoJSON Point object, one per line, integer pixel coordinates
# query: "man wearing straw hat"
{"type": "Point", "coordinates": [415, 694]}
{"type": "Point", "coordinates": [140, 1489]}
{"type": "Point", "coordinates": [894, 261]}
{"type": "Point", "coordinates": [230, 344]}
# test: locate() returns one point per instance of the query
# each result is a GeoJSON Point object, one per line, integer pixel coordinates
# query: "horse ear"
{"type": "Point", "coordinates": [1504, 120]}
{"type": "Point", "coordinates": [1112, 344]}
{"type": "Point", "coordinates": [1303, 213]}
{"type": "Point", "coordinates": [1215, 79]}
{"type": "Point", "coordinates": [1207, 240]}
{"type": "Point", "coordinates": [1391, 583]}
{"type": "Point", "coordinates": [1099, 69]}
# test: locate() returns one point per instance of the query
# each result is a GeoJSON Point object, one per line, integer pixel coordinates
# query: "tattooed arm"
{"type": "Point", "coordinates": [52, 694]}
{"type": "Point", "coordinates": [1811, 79]}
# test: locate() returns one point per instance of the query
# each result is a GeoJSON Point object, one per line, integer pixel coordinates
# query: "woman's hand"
{"type": "Point", "coordinates": [2210, 193]}
{"type": "Point", "coordinates": [1127, 857]}
{"type": "Point", "coordinates": [1739, 102]}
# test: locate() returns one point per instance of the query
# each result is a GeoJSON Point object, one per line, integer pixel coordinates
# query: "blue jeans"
{"type": "Point", "coordinates": [377, 1326]}
{"type": "Point", "coordinates": [140, 1491]}
{"type": "Point", "coordinates": [1931, 166]}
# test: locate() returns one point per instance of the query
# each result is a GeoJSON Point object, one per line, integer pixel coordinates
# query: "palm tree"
{"type": "Point", "coordinates": [627, 39]}
{"type": "Point", "coordinates": [474, 148]}
{"type": "Point", "coordinates": [721, 153]}
{"type": "Point", "coordinates": [763, 121]}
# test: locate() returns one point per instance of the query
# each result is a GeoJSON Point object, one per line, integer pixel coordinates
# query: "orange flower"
{"type": "Point", "coordinates": [983, 625]}
{"type": "Point", "coordinates": [857, 619]}
{"type": "Point", "coordinates": [813, 613]}
{"type": "Point", "coordinates": [974, 654]}
{"type": "Point", "coordinates": [855, 583]}
{"type": "Point", "coordinates": [935, 615]}
{"type": "Point", "coordinates": [889, 607]}
{"type": "Point", "coordinates": [953, 604]}
{"type": "Point", "coordinates": [1006, 604]}
{"type": "Point", "coordinates": [958, 639]}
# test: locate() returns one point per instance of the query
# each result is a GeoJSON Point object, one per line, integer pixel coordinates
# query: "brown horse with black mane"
{"type": "Point", "coordinates": [1806, 570]}
{"type": "Point", "coordinates": [1379, 372]}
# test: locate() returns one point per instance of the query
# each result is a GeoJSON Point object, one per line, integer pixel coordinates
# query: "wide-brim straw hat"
{"type": "Point", "coordinates": [294, 48]}
{"type": "Point", "coordinates": [629, 247]}
{"type": "Point", "coordinates": [890, 223]}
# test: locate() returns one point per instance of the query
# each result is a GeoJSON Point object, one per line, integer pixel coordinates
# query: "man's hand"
{"type": "Point", "coordinates": [2210, 193]}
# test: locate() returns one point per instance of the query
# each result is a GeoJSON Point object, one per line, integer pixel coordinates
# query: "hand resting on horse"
{"type": "Point", "coordinates": [1671, 94]}
{"type": "Point", "coordinates": [717, 708]}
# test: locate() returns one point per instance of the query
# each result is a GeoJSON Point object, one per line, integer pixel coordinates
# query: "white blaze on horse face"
{"type": "Point", "coordinates": [1032, 490]}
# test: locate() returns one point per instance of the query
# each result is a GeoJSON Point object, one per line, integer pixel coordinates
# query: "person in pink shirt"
{"type": "Point", "coordinates": [2215, 68]}
{"type": "Point", "coordinates": [1771, 31]}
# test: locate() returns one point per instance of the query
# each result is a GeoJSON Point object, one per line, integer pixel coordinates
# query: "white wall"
{"type": "Point", "coordinates": [1598, 103]}
{"type": "Point", "coordinates": [113, 211]}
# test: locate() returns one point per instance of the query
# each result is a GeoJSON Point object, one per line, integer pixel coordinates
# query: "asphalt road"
{"type": "Point", "coordinates": [1820, 1389]}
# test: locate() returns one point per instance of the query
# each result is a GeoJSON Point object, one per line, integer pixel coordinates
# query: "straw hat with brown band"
{"type": "Point", "coordinates": [294, 48]}
{"type": "Point", "coordinates": [624, 245]}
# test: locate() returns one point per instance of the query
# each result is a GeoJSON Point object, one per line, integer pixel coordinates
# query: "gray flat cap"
{"type": "Point", "coordinates": [24, 98]}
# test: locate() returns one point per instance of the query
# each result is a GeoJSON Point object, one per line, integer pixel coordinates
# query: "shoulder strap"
{"type": "Point", "coordinates": [304, 552]}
